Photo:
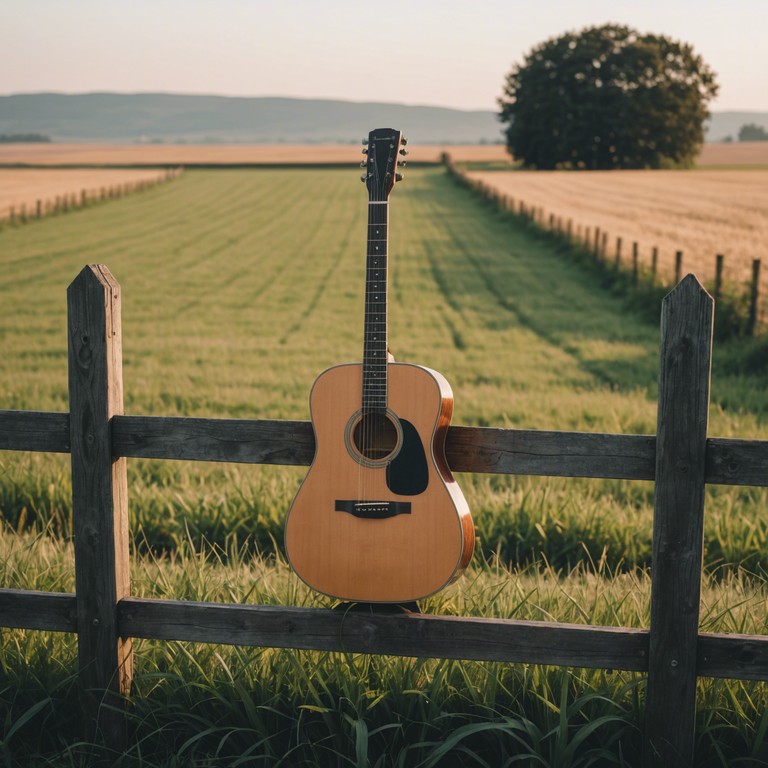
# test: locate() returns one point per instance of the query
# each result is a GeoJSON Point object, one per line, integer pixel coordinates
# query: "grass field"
{"type": "Point", "coordinates": [702, 213]}
{"type": "Point", "coordinates": [239, 287]}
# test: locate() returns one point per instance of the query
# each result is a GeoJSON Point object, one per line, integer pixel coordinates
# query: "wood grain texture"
{"type": "Point", "coordinates": [541, 452]}
{"type": "Point", "coordinates": [397, 634]}
{"type": "Point", "coordinates": [99, 500]}
{"type": "Point", "coordinates": [235, 440]}
{"type": "Point", "coordinates": [27, 609]}
{"type": "Point", "coordinates": [395, 559]}
{"type": "Point", "coordinates": [678, 525]}
{"type": "Point", "coordinates": [731, 461]}
{"type": "Point", "coordinates": [34, 431]}
{"type": "Point", "coordinates": [732, 656]}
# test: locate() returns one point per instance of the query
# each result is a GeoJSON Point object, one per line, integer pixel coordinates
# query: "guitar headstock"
{"type": "Point", "coordinates": [383, 146]}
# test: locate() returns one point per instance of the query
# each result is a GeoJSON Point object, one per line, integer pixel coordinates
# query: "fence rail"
{"type": "Point", "coordinates": [680, 459]}
{"type": "Point", "coordinates": [729, 461]}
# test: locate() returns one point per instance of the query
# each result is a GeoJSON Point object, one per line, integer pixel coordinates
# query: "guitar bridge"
{"type": "Point", "coordinates": [373, 510]}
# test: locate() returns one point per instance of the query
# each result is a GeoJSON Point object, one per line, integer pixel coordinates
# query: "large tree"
{"type": "Point", "coordinates": [607, 97]}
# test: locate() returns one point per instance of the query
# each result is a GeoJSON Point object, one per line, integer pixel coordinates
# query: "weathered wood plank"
{"type": "Point", "coordinates": [395, 634]}
{"type": "Point", "coordinates": [236, 440]}
{"type": "Point", "coordinates": [99, 501]}
{"type": "Point", "coordinates": [732, 461]}
{"type": "Point", "coordinates": [468, 449]}
{"type": "Point", "coordinates": [34, 431]}
{"type": "Point", "coordinates": [678, 524]}
{"type": "Point", "coordinates": [730, 656]}
{"type": "Point", "coordinates": [540, 452]}
{"type": "Point", "coordinates": [26, 609]}
{"type": "Point", "coordinates": [742, 657]}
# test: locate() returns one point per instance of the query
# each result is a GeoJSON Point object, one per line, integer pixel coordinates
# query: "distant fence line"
{"type": "Point", "coordinates": [70, 201]}
{"type": "Point", "coordinates": [595, 241]}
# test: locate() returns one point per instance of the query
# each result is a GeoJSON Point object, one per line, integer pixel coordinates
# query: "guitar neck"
{"type": "Point", "coordinates": [375, 330]}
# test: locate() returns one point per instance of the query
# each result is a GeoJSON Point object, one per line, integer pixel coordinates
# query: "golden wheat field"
{"type": "Point", "coordinates": [21, 188]}
{"type": "Point", "coordinates": [738, 153]}
{"type": "Point", "coordinates": [230, 154]}
{"type": "Point", "coordinates": [702, 213]}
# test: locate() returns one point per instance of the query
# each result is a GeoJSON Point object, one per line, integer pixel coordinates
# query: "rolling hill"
{"type": "Point", "coordinates": [220, 119]}
{"type": "Point", "coordinates": [178, 118]}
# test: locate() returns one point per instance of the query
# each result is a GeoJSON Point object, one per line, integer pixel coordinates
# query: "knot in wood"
{"type": "Point", "coordinates": [85, 353]}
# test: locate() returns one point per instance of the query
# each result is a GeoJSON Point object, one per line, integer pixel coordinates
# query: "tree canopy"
{"type": "Point", "coordinates": [753, 132]}
{"type": "Point", "coordinates": [607, 97]}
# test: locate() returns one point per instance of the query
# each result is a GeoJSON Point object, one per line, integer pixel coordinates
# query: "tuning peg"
{"type": "Point", "coordinates": [365, 142]}
{"type": "Point", "coordinates": [363, 163]}
{"type": "Point", "coordinates": [365, 151]}
{"type": "Point", "coordinates": [403, 151]}
{"type": "Point", "coordinates": [401, 163]}
{"type": "Point", "coordinates": [364, 177]}
{"type": "Point", "coordinates": [398, 177]}
{"type": "Point", "coordinates": [403, 140]}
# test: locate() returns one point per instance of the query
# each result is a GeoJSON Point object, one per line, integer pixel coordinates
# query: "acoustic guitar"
{"type": "Point", "coordinates": [379, 517]}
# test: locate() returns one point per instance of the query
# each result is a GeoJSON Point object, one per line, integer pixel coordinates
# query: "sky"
{"type": "Point", "coordinates": [431, 52]}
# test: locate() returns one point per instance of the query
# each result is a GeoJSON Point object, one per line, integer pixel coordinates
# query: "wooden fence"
{"type": "Point", "coordinates": [596, 241]}
{"type": "Point", "coordinates": [681, 458]}
{"type": "Point", "coordinates": [71, 201]}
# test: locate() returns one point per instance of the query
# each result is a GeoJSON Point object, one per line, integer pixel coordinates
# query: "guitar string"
{"type": "Point", "coordinates": [374, 417]}
{"type": "Point", "coordinates": [378, 417]}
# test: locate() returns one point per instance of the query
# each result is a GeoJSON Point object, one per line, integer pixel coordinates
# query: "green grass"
{"type": "Point", "coordinates": [239, 287]}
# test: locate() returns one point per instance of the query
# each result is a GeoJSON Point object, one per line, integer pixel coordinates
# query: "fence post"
{"type": "Point", "coordinates": [719, 259]}
{"type": "Point", "coordinates": [678, 524]}
{"type": "Point", "coordinates": [754, 297]}
{"type": "Point", "coordinates": [618, 252]}
{"type": "Point", "coordinates": [654, 262]}
{"type": "Point", "coordinates": [99, 502]}
{"type": "Point", "coordinates": [678, 266]}
{"type": "Point", "coordinates": [635, 262]}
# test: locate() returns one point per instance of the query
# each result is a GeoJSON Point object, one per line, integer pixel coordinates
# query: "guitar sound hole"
{"type": "Point", "coordinates": [375, 436]}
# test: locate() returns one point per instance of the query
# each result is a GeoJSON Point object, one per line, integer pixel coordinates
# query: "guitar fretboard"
{"type": "Point", "coordinates": [375, 330]}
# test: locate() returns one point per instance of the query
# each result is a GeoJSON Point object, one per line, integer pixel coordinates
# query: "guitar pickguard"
{"type": "Point", "coordinates": [408, 473]}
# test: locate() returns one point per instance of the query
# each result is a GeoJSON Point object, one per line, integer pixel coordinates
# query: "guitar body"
{"type": "Point", "coordinates": [379, 517]}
